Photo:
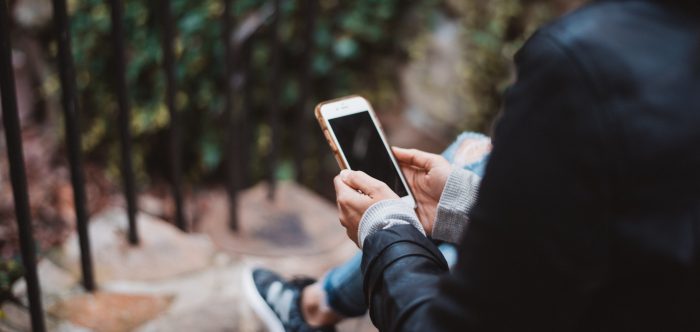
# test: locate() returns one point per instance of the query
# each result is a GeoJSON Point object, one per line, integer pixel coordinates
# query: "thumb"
{"type": "Point", "coordinates": [359, 180]}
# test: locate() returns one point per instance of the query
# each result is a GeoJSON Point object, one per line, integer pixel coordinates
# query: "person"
{"type": "Point", "coordinates": [588, 214]}
{"type": "Point", "coordinates": [318, 305]}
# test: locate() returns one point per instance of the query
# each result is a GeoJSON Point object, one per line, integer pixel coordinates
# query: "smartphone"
{"type": "Point", "coordinates": [358, 143]}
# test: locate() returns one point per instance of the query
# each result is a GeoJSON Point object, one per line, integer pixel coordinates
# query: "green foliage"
{"type": "Point", "coordinates": [358, 46]}
{"type": "Point", "coordinates": [10, 271]}
{"type": "Point", "coordinates": [354, 42]}
{"type": "Point", "coordinates": [495, 30]}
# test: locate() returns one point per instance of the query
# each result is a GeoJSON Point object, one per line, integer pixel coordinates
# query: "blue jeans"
{"type": "Point", "coordinates": [343, 284]}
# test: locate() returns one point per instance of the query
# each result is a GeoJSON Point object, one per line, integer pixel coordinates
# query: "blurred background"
{"type": "Point", "coordinates": [220, 98]}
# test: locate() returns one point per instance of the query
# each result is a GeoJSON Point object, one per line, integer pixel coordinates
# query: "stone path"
{"type": "Point", "coordinates": [173, 281]}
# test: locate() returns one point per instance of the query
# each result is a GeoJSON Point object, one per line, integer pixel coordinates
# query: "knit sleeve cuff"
{"type": "Point", "coordinates": [456, 201]}
{"type": "Point", "coordinates": [384, 214]}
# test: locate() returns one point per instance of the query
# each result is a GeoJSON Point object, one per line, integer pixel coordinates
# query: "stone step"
{"type": "Point", "coordinates": [175, 281]}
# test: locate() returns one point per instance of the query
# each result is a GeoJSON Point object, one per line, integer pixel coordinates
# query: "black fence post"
{"type": "Point", "coordinates": [18, 178]}
{"type": "Point", "coordinates": [170, 90]}
{"type": "Point", "coordinates": [124, 117]}
{"type": "Point", "coordinates": [247, 133]}
{"type": "Point", "coordinates": [305, 110]}
{"type": "Point", "coordinates": [70, 110]}
{"type": "Point", "coordinates": [232, 132]}
{"type": "Point", "coordinates": [273, 116]}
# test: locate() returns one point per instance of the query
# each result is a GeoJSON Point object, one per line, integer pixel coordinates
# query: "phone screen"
{"type": "Point", "coordinates": [364, 150]}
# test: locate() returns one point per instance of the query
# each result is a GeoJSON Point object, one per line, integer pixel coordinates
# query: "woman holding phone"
{"type": "Point", "coordinates": [588, 214]}
{"type": "Point", "coordinates": [317, 305]}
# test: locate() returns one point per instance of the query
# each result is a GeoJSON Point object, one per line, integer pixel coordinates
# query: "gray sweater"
{"type": "Point", "coordinates": [456, 201]}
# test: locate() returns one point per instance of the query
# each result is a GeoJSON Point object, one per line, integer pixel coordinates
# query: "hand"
{"type": "Point", "coordinates": [355, 193]}
{"type": "Point", "coordinates": [426, 174]}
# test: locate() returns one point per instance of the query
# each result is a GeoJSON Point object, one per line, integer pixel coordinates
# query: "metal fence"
{"type": "Point", "coordinates": [235, 172]}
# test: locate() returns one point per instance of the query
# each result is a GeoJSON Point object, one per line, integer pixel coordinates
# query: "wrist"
{"type": "Point", "coordinates": [385, 214]}
{"type": "Point", "coordinates": [456, 201]}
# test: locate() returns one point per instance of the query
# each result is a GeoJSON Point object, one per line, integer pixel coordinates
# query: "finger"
{"type": "Point", "coordinates": [410, 172]}
{"type": "Point", "coordinates": [359, 180]}
{"type": "Point", "coordinates": [415, 157]}
{"type": "Point", "coordinates": [408, 168]}
{"type": "Point", "coordinates": [343, 192]}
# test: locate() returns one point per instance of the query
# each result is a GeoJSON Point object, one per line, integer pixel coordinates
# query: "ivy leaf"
{"type": "Point", "coordinates": [345, 48]}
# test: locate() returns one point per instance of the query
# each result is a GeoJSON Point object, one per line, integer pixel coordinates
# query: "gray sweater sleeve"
{"type": "Point", "coordinates": [384, 214]}
{"type": "Point", "coordinates": [457, 199]}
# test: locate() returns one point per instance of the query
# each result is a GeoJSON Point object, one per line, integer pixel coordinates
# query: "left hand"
{"type": "Point", "coordinates": [426, 174]}
{"type": "Point", "coordinates": [355, 192]}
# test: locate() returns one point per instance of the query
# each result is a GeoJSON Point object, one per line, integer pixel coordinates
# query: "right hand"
{"type": "Point", "coordinates": [355, 193]}
{"type": "Point", "coordinates": [426, 174]}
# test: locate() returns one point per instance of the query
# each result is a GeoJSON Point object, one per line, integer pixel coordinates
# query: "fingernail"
{"type": "Point", "coordinates": [344, 174]}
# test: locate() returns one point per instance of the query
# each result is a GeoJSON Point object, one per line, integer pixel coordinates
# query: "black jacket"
{"type": "Point", "coordinates": [588, 217]}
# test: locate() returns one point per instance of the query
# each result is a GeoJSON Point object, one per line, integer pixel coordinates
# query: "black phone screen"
{"type": "Point", "coordinates": [364, 150]}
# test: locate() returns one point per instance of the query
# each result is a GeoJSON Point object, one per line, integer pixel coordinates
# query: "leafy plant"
{"type": "Point", "coordinates": [356, 51]}
{"type": "Point", "coordinates": [495, 30]}
{"type": "Point", "coordinates": [10, 271]}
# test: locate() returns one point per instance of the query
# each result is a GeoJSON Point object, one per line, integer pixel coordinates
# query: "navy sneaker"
{"type": "Point", "coordinates": [277, 301]}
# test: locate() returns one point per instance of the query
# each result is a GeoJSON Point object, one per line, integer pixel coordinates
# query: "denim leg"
{"type": "Point", "coordinates": [449, 251]}
{"type": "Point", "coordinates": [343, 284]}
{"type": "Point", "coordinates": [450, 153]}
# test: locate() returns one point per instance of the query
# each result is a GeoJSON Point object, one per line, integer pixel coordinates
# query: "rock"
{"type": "Point", "coordinates": [359, 324]}
{"type": "Point", "coordinates": [297, 221]}
{"type": "Point", "coordinates": [297, 233]}
{"type": "Point", "coordinates": [152, 205]}
{"type": "Point", "coordinates": [33, 13]}
{"type": "Point", "coordinates": [110, 311]}
{"type": "Point", "coordinates": [210, 300]}
{"type": "Point", "coordinates": [164, 251]}
{"type": "Point", "coordinates": [54, 282]}
{"type": "Point", "coordinates": [175, 281]}
{"type": "Point", "coordinates": [218, 315]}
{"type": "Point", "coordinates": [67, 327]}
{"type": "Point", "coordinates": [14, 318]}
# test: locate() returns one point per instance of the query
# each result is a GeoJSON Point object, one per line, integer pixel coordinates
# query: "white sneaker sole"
{"type": "Point", "coordinates": [257, 302]}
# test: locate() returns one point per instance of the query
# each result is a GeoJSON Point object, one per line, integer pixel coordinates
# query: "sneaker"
{"type": "Point", "coordinates": [276, 301]}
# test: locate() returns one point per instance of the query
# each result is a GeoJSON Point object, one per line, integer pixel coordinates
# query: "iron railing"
{"type": "Point", "coordinates": [237, 57]}
{"type": "Point", "coordinates": [272, 111]}
{"type": "Point", "coordinates": [124, 116]}
{"type": "Point", "coordinates": [232, 145]}
{"type": "Point", "coordinates": [18, 178]}
{"type": "Point", "coordinates": [167, 32]}
{"type": "Point", "coordinates": [304, 116]}
{"type": "Point", "coordinates": [71, 115]}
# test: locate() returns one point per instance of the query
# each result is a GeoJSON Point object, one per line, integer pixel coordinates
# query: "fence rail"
{"type": "Point", "coordinates": [71, 120]}
{"type": "Point", "coordinates": [233, 135]}
{"type": "Point", "coordinates": [167, 34]}
{"type": "Point", "coordinates": [18, 177]}
{"type": "Point", "coordinates": [124, 118]}
{"type": "Point", "coordinates": [273, 116]}
{"type": "Point", "coordinates": [237, 58]}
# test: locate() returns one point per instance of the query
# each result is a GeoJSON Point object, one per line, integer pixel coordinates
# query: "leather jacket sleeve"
{"type": "Point", "coordinates": [533, 256]}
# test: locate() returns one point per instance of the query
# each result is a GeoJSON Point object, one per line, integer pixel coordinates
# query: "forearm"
{"type": "Point", "coordinates": [402, 269]}
{"type": "Point", "coordinates": [385, 214]}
